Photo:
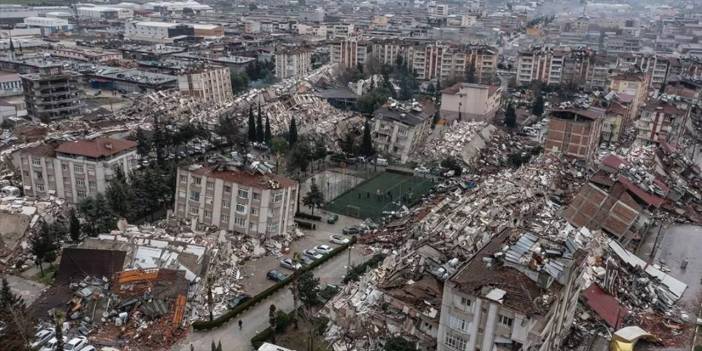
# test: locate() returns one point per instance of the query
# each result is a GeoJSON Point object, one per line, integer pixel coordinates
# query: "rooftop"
{"type": "Point", "coordinates": [242, 177]}
{"type": "Point", "coordinates": [96, 148]}
{"type": "Point", "coordinates": [410, 115]}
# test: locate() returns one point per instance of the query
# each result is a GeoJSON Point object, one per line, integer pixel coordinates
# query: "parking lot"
{"type": "Point", "coordinates": [254, 271]}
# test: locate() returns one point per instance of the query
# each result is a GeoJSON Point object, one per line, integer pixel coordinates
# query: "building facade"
{"type": "Point", "coordinates": [52, 96]}
{"type": "Point", "coordinates": [293, 63]}
{"type": "Point", "coordinates": [661, 122]}
{"type": "Point", "coordinates": [243, 201]}
{"type": "Point", "coordinates": [212, 84]}
{"type": "Point", "coordinates": [74, 170]}
{"type": "Point", "coordinates": [397, 132]}
{"type": "Point", "coordinates": [575, 133]}
{"type": "Point", "coordinates": [474, 102]}
{"type": "Point", "coordinates": [349, 52]}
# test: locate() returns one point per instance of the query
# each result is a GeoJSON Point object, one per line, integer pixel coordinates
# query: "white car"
{"type": "Point", "coordinates": [323, 249]}
{"type": "Point", "coordinates": [51, 345]}
{"type": "Point", "coordinates": [76, 344]}
{"type": "Point", "coordinates": [41, 337]}
{"type": "Point", "coordinates": [289, 264]}
{"type": "Point", "coordinates": [88, 348]}
{"type": "Point", "coordinates": [313, 254]}
{"type": "Point", "coordinates": [338, 239]}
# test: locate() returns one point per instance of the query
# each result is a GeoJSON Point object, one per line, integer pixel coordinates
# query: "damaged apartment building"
{"type": "Point", "coordinates": [245, 199]}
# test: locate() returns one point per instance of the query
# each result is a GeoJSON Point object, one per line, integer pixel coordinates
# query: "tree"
{"type": "Point", "coordinates": [252, 125]}
{"type": "Point", "coordinates": [97, 214]}
{"type": "Point", "coordinates": [44, 246]}
{"type": "Point", "coordinates": [292, 132]}
{"type": "Point", "coordinates": [58, 330]}
{"type": "Point", "coordinates": [308, 287]}
{"type": "Point", "coordinates": [538, 107]}
{"type": "Point", "coordinates": [219, 345]}
{"type": "Point", "coordinates": [272, 321]}
{"type": "Point", "coordinates": [510, 116]}
{"type": "Point", "coordinates": [397, 343]}
{"type": "Point", "coordinates": [119, 194]}
{"type": "Point", "coordinates": [159, 140]}
{"type": "Point", "coordinates": [143, 143]}
{"type": "Point", "coordinates": [259, 126]}
{"type": "Point", "coordinates": [367, 141]}
{"type": "Point", "coordinates": [213, 347]}
{"type": "Point", "coordinates": [347, 144]}
{"type": "Point", "coordinates": [74, 226]}
{"type": "Point", "coordinates": [299, 157]}
{"type": "Point", "coordinates": [15, 320]}
{"type": "Point", "coordinates": [278, 145]}
{"type": "Point", "coordinates": [228, 129]}
{"type": "Point", "coordinates": [314, 197]}
{"type": "Point", "coordinates": [267, 136]}
{"type": "Point", "coordinates": [435, 119]}
{"type": "Point", "coordinates": [470, 73]}
{"type": "Point", "coordinates": [240, 81]}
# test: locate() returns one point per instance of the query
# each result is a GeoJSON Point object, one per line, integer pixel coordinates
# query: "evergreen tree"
{"type": "Point", "coordinates": [347, 144]}
{"type": "Point", "coordinates": [314, 198]}
{"type": "Point", "coordinates": [267, 136]}
{"type": "Point", "coordinates": [252, 125]}
{"type": "Point", "coordinates": [159, 141]}
{"type": "Point", "coordinates": [44, 246]}
{"type": "Point", "coordinates": [470, 73]}
{"type": "Point", "coordinates": [143, 143]}
{"type": "Point", "coordinates": [15, 320]}
{"type": "Point", "coordinates": [259, 126]}
{"type": "Point", "coordinates": [74, 226]}
{"type": "Point", "coordinates": [119, 194]}
{"type": "Point", "coordinates": [97, 214]}
{"type": "Point", "coordinates": [538, 107]}
{"type": "Point", "coordinates": [219, 346]}
{"type": "Point", "coordinates": [272, 320]}
{"type": "Point", "coordinates": [367, 141]}
{"type": "Point", "coordinates": [307, 288]}
{"type": "Point", "coordinates": [510, 116]}
{"type": "Point", "coordinates": [292, 132]}
{"type": "Point", "coordinates": [299, 157]}
{"type": "Point", "coordinates": [437, 96]}
{"type": "Point", "coordinates": [397, 343]}
{"type": "Point", "coordinates": [58, 330]}
{"type": "Point", "coordinates": [213, 347]}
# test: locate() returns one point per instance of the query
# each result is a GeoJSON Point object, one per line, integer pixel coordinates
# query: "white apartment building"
{"type": "Point", "coordinates": [293, 63]}
{"type": "Point", "coordinates": [475, 102]}
{"type": "Point", "coordinates": [242, 201]}
{"type": "Point", "coordinates": [158, 32]}
{"type": "Point", "coordinates": [349, 52]}
{"type": "Point", "coordinates": [104, 12]}
{"type": "Point", "coordinates": [497, 301]}
{"type": "Point", "coordinates": [212, 84]}
{"type": "Point", "coordinates": [48, 25]}
{"type": "Point", "coordinates": [73, 170]}
{"type": "Point", "coordinates": [397, 132]}
{"type": "Point", "coordinates": [544, 65]}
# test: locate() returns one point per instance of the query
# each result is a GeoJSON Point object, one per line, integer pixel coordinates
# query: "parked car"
{"type": "Point", "coordinates": [76, 344]}
{"type": "Point", "coordinates": [353, 230]}
{"type": "Point", "coordinates": [41, 337]}
{"type": "Point", "coordinates": [323, 249]}
{"type": "Point", "coordinates": [313, 254]}
{"type": "Point", "coordinates": [238, 300]}
{"type": "Point", "coordinates": [276, 276]}
{"type": "Point", "coordinates": [381, 162]}
{"type": "Point", "coordinates": [306, 260]}
{"type": "Point", "coordinates": [332, 218]}
{"type": "Point", "coordinates": [338, 239]}
{"type": "Point", "coordinates": [289, 264]}
{"type": "Point", "coordinates": [51, 344]}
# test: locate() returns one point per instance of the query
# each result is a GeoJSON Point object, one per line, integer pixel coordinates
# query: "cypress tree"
{"type": "Point", "coordinates": [259, 126]}
{"type": "Point", "coordinates": [292, 132]}
{"type": "Point", "coordinates": [252, 125]}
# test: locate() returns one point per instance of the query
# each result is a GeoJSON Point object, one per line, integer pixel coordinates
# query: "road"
{"type": "Point", "coordinates": [256, 319]}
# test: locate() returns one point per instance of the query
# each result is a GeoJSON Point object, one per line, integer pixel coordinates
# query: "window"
{"type": "Point", "coordinates": [254, 211]}
{"type": "Point", "coordinates": [91, 170]}
{"type": "Point", "coordinates": [64, 166]}
{"type": "Point", "coordinates": [193, 210]}
{"type": "Point", "coordinates": [225, 218]}
{"type": "Point", "coordinates": [197, 181]}
{"type": "Point", "coordinates": [78, 168]}
{"type": "Point", "coordinates": [183, 178]}
{"type": "Point", "coordinates": [226, 203]}
{"type": "Point", "coordinates": [80, 182]}
{"type": "Point", "coordinates": [278, 197]}
{"type": "Point", "coordinates": [81, 193]}
{"type": "Point", "coordinates": [244, 194]}
{"type": "Point", "coordinates": [182, 194]}
{"type": "Point", "coordinates": [210, 185]}
{"type": "Point", "coordinates": [458, 323]}
{"type": "Point", "coordinates": [455, 342]}
{"type": "Point", "coordinates": [208, 214]}
{"type": "Point", "coordinates": [40, 187]}
{"type": "Point", "coordinates": [227, 188]}
{"type": "Point", "coordinates": [465, 301]}
{"type": "Point", "coordinates": [240, 221]}
{"type": "Point", "coordinates": [240, 208]}
{"type": "Point", "coordinates": [92, 184]}
{"type": "Point", "coordinates": [506, 321]}
{"type": "Point", "coordinates": [194, 196]}
{"type": "Point", "coordinates": [256, 196]}
{"type": "Point", "coordinates": [38, 175]}
{"type": "Point", "coordinates": [36, 162]}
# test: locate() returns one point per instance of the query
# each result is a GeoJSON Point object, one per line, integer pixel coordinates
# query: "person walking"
{"type": "Point", "coordinates": [241, 324]}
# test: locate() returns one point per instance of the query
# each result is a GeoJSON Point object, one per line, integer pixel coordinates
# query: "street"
{"type": "Point", "coordinates": [255, 320]}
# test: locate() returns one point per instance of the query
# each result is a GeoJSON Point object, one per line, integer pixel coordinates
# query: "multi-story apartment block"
{"type": "Point", "coordinates": [293, 62]}
{"type": "Point", "coordinates": [474, 102]}
{"type": "Point", "coordinates": [212, 84]}
{"type": "Point", "coordinates": [240, 200]}
{"type": "Point", "coordinates": [661, 121]}
{"type": "Point", "coordinates": [398, 131]}
{"type": "Point", "coordinates": [540, 64]}
{"type": "Point", "coordinates": [575, 133]}
{"type": "Point", "coordinates": [168, 32]}
{"type": "Point", "coordinates": [631, 86]}
{"type": "Point", "coordinates": [510, 296]}
{"type": "Point", "coordinates": [349, 52]}
{"type": "Point", "coordinates": [52, 95]}
{"type": "Point", "coordinates": [74, 170]}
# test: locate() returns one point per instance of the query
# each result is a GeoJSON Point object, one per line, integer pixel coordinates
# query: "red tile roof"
{"type": "Point", "coordinates": [605, 305]}
{"type": "Point", "coordinates": [255, 180]}
{"type": "Point", "coordinates": [41, 150]}
{"type": "Point", "coordinates": [649, 199]}
{"type": "Point", "coordinates": [96, 148]}
{"type": "Point", "coordinates": [613, 161]}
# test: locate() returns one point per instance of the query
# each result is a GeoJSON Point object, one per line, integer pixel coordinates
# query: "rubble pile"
{"type": "Point", "coordinates": [462, 140]}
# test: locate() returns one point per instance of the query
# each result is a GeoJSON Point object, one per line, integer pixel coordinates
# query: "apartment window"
{"type": "Point", "coordinates": [36, 162]}
{"type": "Point", "coordinates": [193, 210]}
{"type": "Point", "coordinates": [226, 203]}
{"type": "Point", "coordinates": [210, 185]}
{"type": "Point", "coordinates": [227, 188]}
{"type": "Point", "coordinates": [458, 323]}
{"type": "Point", "coordinates": [278, 197]}
{"type": "Point", "coordinates": [38, 175]}
{"type": "Point", "coordinates": [40, 187]}
{"type": "Point", "coordinates": [80, 182]}
{"type": "Point", "coordinates": [225, 218]}
{"type": "Point", "coordinates": [254, 211]}
{"type": "Point", "coordinates": [455, 342]}
{"type": "Point", "coordinates": [256, 196]}
{"type": "Point", "coordinates": [182, 194]}
{"type": "Point", "coordinates": [272, 227]}
{"type": "Point", "coordinates": [81, 194]}
{"type": "Point", "coordinates": [240, 208]}
{"type": "Point", "coordinates": [195, 196]}
{"type": "Point", "coordinates": [506, 321]}
{"type": "Point", "coordinates": [208, 214]}
{"type": "Point", "coordinates": [465, 301]}
{"type": "Point", "coordinates": [244, 194]}
{"type": "Point", "coordinates": [92, 184]}
{"type": "Point", "coordinates": [197, 181]}
{"type": "Point", "coordinates": [183, 178]}
{"type": "Point", "coordinates": [78, 168]}
{"type": "Point", "coordinates": [64, 166]}
{"type": "Point", "coordinates": [240, 221]}
{"type": "Point", "coordinates": [91, 170]}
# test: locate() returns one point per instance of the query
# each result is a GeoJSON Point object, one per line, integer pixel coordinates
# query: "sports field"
{"type": "Point", "coordinates": [383, 192]}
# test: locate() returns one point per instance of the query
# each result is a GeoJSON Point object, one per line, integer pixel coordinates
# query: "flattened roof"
{"type": "Point", "coordinates": [41, 150]}
{"type": "Point", "coordinates": [605, 305]}
{"type": "Point", "coordinates": [256, 180]}
{"type": "Point", "coordinates": [96, 148]}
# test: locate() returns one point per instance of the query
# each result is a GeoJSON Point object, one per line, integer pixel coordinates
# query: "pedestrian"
{"type": "Point", "coordinates": [241, 324]}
